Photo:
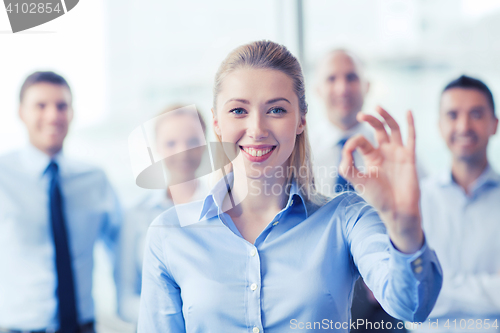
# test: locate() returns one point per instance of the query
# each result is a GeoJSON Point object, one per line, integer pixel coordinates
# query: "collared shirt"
{"type": "Point", "coordinates": [132, 244]}
{"type": "Point", "coordinates": [327, 152]}
{"type": "Point", "coordinates": [205, 277]}
{"type": "Point", "coordinates": [465, 232]}
{"type": "Point", "coordinates": [28, 276]}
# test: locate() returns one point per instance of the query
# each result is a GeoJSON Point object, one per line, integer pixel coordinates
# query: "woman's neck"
{"type": "Point", "coordinates": [252, 203]}
{"type": "Point", "coordinates": [259, 194]}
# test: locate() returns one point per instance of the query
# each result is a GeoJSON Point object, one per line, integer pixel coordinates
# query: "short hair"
{"type": "Point", "coordinates": [467, 82]}
{"type": "Point", "coordinates": [40, 77]}
{"type": "Point", "coordinates": [178, 110]}
{"type": "Point", "coordinates": [359, 62]}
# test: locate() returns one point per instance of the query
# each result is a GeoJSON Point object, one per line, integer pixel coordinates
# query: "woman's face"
{"type": "Point", "coordinates": [258, 112]}
{"type": "Point", "coordinates": [176, 136]}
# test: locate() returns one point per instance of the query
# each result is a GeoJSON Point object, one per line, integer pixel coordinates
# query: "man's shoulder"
{"type": "Point", "coordinates": [77, 167]}
{"type": "Point", "coordinates": [15, 160]}
{"type": "Point", "coordinates": [12, 168]}
{"type": "Point", "coordinates": [433, 182]}
{"type": "Point", "coordinates": [318, 135]}
{"type": "Point", "coordinates": [10, 159]}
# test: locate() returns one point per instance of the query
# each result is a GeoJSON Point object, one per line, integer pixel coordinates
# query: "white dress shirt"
{"type": "Point", "coordinates": [465, 233]}
{"type": "Point", "coordinates": [28, 277]}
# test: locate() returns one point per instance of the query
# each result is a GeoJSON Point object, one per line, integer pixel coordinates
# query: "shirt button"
{"type": "Point", "coordinates": [253, 286]}
{"type": "Point", "coordinates": [418, 261]}
{"type": "Point", "coordinates": [255, 329]}
{"type": "Point", "coordinates": [418, 269]}
{"type": "Point", "coordinates": [253, 252]}
{"type": "Point", "coordinates": [276, 223]}
{"type": "Point", "coordinates": [291, 202]}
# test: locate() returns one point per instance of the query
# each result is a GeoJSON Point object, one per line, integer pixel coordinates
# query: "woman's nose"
{"type": "Point", "coordinates": [257, 127]}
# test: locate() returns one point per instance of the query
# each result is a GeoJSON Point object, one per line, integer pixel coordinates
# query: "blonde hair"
{"type": "Point", "coordinates": [269, 55]}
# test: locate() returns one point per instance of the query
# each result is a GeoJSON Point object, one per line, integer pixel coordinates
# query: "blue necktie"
{"type": "Point", "coordinates": [341, 184]}
{"type": "Point", "coordinates": [68, 318]}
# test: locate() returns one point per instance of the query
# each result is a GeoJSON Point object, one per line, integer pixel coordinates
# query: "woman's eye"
{"type": "Point", "coordinates": [277, 111]}
{"type": "Point", "coordinates": [238, 111]}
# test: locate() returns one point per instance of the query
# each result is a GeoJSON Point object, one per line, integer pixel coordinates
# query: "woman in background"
{"type": "Point", "coordinates": [177, 134]}
{"type": "Point", "coordinates": [264, 252]}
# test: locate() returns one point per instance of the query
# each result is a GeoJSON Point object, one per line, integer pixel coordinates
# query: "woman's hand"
{"type": "Point", "coordinates": [390, 182]}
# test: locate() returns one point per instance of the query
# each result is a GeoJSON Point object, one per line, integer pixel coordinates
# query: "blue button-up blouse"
{"type": "Point", "coordinates": [201, 275]}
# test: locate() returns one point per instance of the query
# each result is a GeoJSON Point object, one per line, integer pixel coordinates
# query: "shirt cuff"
{"type": "Point", "coordinates": [415, 261]}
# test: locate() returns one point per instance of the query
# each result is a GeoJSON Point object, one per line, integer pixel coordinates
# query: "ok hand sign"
{"type": "Point", "coordinates": [390, 184]}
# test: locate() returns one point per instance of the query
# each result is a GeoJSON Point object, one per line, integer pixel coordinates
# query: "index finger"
{"type": "Point", "coordinates": [411, 131]}
{"type": "Point", "coordinates": [380, 131]}
{"type": "Point", "coordinates": [393, 125]}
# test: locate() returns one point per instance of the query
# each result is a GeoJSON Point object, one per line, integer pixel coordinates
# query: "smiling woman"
{"type": "Point", "coordinates": [254, 259]}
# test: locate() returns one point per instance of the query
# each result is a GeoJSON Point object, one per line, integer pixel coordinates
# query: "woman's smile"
{"type": "Point", "coordinates": [258, 153]}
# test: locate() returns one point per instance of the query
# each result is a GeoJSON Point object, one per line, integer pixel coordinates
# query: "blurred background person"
{"type": "Point", "coordinates": [342, 87]}
{"type": "Point", "coordinates": [179, 143]}
{"type": "Point", "coordinates": [461, 212]}
{"type": "Point", "coordinates": [52, 211]}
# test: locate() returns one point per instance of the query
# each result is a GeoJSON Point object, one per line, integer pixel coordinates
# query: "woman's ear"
{"type": "Point", "coordinates": [215, 122]}
{"type": "Point", "coordinates": [301, 126]}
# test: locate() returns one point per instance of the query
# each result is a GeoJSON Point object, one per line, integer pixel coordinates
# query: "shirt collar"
{"type": "Point", "coordinates": [487, 177]}
{"type": "Point", "coordinates": [213, 201]}
{"type": "Point", "coordinates": [295, 195]}
{"type": "Point", "coordinates": [35, 161]}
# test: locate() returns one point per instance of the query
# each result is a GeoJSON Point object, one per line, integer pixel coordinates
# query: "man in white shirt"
{"type": "Point", "coordinates": [52, 210]}
{"type": "Point", "coordinates": [342, 87]}
{"type": "Point", "coordinates": [461, 213]}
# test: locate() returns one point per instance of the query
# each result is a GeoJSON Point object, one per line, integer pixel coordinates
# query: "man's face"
{"type": "Point", "coordinates": [46, 111]}
{"type": "Point", "coordinates": [342, 88]}
{"type": "Point", "coordinates": [466, 123]}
